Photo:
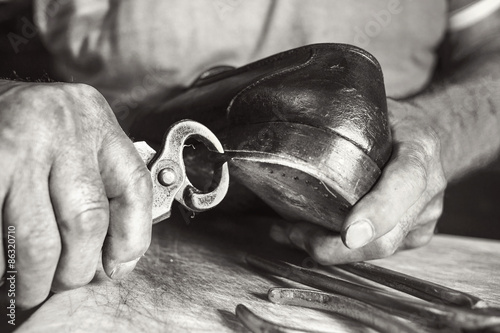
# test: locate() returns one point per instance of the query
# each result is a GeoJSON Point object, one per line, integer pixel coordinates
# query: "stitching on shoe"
{"type": "Point", "coordinates": [268, 77]}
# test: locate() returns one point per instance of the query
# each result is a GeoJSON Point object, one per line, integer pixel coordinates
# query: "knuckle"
{"type": "Point", "coordinates": [440, 181]}
{"type": "Point", "coordinates": [91, 218]}
{"type": "Point", "coordinates": [86, 209]}
{"type": "Point", "coordinates": [92, 103]}
{"type": "Point", "coordinates": [423, 137]}
{"type": "Point", "coordinates": [417, 168]}
{"type": "Point", "coordinates": [58, 92]}
{"type": "Point", "coordinates": [418, 240]}
{"type": "Point", "coordinates": [84, 90]}
{"type": "Point", "coordinates": [32, 114]}
{"type": "Point", "coordinates": [386, 249]}
{"type": "Point", "coordinates": [320, 255]}
{"type": "Point", "coordinates": [141, 183]}
{"type": "Point", "coordinates": [320, 250]}
{"type": "Point", "coordinates": [416, 153]}
{"type": "Point", "coordinates": [57, 101]}
{"type": "Point", "coordinates": [426, 146]}
{"type": "Point", "coordinates": [435, 211]}
{"type": "Point", "coordinates": [96, 104]}
{"type": "Point", "coordinates": [430, 140]}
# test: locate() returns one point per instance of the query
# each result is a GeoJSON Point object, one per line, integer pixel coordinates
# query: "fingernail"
{"type": "Point", "coordinates": [297, 237]}
{"type": "Point", "coordinates": [121, 270]}
{"type": "Point", "coordinates": [359, 234]}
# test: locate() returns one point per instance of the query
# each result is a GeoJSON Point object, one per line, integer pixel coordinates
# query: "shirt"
{"type": "Point", "coordinates": [134, 50]}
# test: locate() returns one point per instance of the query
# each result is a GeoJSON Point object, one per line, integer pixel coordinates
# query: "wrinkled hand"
{"type": "Point", "coordinates": [72, 184]}
{"type": "Point", "coordinates": [399, 212]}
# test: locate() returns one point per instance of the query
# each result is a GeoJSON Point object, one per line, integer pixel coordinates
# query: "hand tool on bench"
{"type": "Point", "coordinates": [425, 290]}
{"type": "Point", "coordinates": [168, 171]}
{"type": "Point", "coordinates": [462, 312]}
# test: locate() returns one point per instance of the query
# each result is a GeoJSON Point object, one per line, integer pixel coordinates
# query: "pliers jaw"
{"type": "Point", "coordinates": [168, 171]}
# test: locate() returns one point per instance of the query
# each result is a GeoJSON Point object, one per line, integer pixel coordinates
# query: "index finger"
{"type": "Point", "coordinates": [128, 186]}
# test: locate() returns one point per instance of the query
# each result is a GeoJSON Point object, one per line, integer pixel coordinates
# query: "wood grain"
{"type": "Point", "coordinates": [194, 275]}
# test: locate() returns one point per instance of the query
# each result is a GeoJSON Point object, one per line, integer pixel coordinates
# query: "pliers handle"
{"type": "Point", "coordinates": [168, 171]}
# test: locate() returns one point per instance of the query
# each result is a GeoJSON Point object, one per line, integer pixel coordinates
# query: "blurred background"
{"type": "Point", "coordinates": [472, 205]}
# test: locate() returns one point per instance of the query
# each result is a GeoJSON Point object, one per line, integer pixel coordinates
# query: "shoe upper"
{"type": "Point", "coordinates": [337, 87]}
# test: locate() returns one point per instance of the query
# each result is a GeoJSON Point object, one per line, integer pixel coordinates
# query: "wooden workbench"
{"type": "Point", "coordinates": [193, 277]}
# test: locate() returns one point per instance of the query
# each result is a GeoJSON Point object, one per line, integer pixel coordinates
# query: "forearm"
{"type": "Point", "coordinates": [464, 109]}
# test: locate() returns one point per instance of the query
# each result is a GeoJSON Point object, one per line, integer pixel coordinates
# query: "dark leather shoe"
{"type": "Point", "coordinates": [306, 130]}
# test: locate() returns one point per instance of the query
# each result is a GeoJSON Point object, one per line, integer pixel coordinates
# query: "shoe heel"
{"type": "Point", "coordinates": [303, 172]}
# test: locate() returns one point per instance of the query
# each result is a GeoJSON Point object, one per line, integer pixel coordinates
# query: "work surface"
{"type": "Point", "coordinates": [194, 275]}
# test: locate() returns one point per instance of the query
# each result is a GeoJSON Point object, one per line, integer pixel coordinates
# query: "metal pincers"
{"type": "Point", "coordinates": [168, 171]}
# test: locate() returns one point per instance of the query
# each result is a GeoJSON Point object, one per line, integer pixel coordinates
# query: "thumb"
{"type": "Point", "coordinates": [400, 186]}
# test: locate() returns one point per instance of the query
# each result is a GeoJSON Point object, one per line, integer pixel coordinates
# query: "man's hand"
{"type": "Point", "coordinates": [72, 185]}
{"type": "Point", "coordinates": [400, 211]}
